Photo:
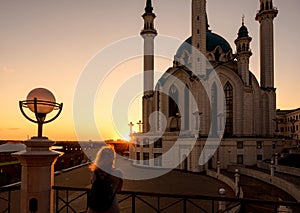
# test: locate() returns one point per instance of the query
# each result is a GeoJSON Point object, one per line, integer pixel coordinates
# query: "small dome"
{"type": "Point", "coordinates": [212, 41]}
{"type": "Point", "coordinates": [243, 32]}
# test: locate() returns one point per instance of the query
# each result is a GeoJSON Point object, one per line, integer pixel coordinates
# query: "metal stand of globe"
{"type": "Point", "coordinates": [38, 159]}
{"type": "Point", "coordinates": [40, 101]}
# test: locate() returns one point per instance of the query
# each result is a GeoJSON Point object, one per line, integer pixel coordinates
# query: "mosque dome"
{"type": "Point", "coordinates": [212, 41]}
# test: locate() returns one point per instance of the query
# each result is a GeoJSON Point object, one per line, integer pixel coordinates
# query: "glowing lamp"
{"type": "Point", "coordinates": [40, 101]}
{"type": "Point", "coordinates": [44, 99]}
{"type": "Point", "coordinates": [222, 191]}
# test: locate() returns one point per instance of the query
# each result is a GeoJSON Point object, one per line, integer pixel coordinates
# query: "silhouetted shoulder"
{"type": "Point", "coordinates": [117, 173]}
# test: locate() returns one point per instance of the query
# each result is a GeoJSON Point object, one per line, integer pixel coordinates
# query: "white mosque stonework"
{"type": "Point", "coordinates": [190, 100]}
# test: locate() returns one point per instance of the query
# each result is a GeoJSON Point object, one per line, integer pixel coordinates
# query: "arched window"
{"type": "Point", "coordinates": [214, 111]}
{"type": "Point", "coordinates": [244, 47]}
{"type": "Point", "coordinates": [173, 100]}
{"type": "Point", "coordinates": [228, 91]}
{"type": "Point", "coordinates": [217, 54]}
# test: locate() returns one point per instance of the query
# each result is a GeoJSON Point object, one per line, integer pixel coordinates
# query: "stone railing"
{"type": "Point", "coordinates": [279, 168]}
{"type": "Point", "coordinates": [228, 181]}
{"type": "Point", "coordinates": [290, 188]}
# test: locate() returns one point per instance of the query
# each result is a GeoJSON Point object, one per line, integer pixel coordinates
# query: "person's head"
{"type": "Point", "coordinates": [104, 159]}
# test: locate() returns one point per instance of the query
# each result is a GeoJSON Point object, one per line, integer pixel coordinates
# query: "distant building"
{"type": "Point", "coordinates": [10, 168]}
{"type": "Point", "coordinates": [288, 122]}
{"type": "Point", "coordinates": [76, 152]}
{"type": "Point", "coordinates": [250, 112]}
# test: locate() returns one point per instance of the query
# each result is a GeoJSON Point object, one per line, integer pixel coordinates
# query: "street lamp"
{"type": "Point", "coordinates": [41, 102]}
{"type": "Point", "coordinates": [38, 159]}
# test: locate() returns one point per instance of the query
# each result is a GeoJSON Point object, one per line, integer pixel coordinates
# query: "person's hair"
{"type": "Point", "coordinates": [104, 160]}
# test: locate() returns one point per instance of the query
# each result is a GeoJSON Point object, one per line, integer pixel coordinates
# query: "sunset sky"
{"type": "Point", "coordinates": [49, 44]}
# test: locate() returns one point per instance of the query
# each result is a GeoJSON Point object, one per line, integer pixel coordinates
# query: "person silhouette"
{"type": "Point", "coordinates": [104, 165]}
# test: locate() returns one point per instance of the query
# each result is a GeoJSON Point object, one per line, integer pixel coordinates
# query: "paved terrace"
{"type": "Point", "coordinates": [174, 182]}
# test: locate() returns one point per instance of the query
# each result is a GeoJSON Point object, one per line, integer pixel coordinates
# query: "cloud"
{"type": "Point", "coordinates": [6, 69]}
{"type": "Point", "coordinates": [12, 129]}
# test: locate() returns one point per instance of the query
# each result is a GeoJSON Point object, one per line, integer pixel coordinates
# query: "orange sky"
{"type": "Point", "coordinates": [48, 44]}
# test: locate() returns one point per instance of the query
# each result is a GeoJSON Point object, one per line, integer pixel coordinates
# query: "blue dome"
{"type": "Point", "coordinates": [212, 41]}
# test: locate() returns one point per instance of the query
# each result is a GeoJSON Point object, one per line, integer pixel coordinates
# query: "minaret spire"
{"type": "Point", "coordinates": [148, 8]}
{"type": "Point", "coordinates": [148, 33]}
{"type": "Point", "coordinates": [243, 52]}
{"type": "Point", "coordinates": [243, 20]}
{"type": "Point", "coordinates": [199, 28]}
{"type": "Point", "coordinates": [265, 17]}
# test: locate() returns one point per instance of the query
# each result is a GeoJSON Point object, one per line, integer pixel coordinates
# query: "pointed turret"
{"type": "Point", "coordinates": [148, 8]}
{"type": "Point", "coordinates": [243, 52]}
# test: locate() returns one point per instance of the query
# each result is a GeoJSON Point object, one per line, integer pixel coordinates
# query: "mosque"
{"type": "Point", "coordinates": [208, 109]}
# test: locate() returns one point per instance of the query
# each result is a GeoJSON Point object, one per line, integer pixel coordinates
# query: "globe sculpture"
{"type": "Point", "coordinates": [41, 102]}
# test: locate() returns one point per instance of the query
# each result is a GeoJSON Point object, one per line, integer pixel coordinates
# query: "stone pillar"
{"type": "Point", "coordinates": [276, 159]}
{"type": "Point", "coordinates": [218, 168]}
{"type": "Point", "coordinates": [37, 163]}
{"type": "Point", "coordinates": [271, 171]}
{"type": "Point", "coordinates": [236, 180]}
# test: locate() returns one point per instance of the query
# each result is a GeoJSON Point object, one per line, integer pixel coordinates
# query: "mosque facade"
{"type": "Point", "coordinates": [208, 108]}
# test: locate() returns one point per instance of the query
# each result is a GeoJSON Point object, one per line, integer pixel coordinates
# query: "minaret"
{"type": "Point", "coordinates": [148, 33]}
{"type": "Point", "coordinates": [243, 53]}
{"type": "Point", "coordinates": [265, 16]}
{"type": "Point", "coordinates": [199, 27]}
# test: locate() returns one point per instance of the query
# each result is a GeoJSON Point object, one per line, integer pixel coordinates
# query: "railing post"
{"type": "Point", "coordinates": [243, 206]}
{"type": "Point", "coordinates": [184, 205]}
{"type": "Point", "coordinates": [276, 208]}
{"type": "Point", "coordinates": [212, 206]}
{"type": "Point", "coordinates": [67, 197]}
{"type": "Point", "coordinates": [9, 203]}
{"type": "Point", "coordinates": [56, 200]}
{"type": "Point", "coordinates": [158, 204]}
{"type": "Point", "coordinates": [133, 203]}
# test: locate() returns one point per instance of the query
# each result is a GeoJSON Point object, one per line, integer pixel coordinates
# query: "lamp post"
{"type": "Point", "coordinates": [271, 170]}
{"type": "Point", "coordinates": [218, 168]}
{"type": "Point", "coordinates": [38, 159]}
{"type": "Point", "coordinates": [222, 204]}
